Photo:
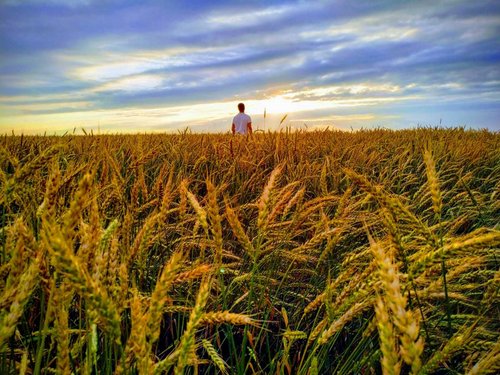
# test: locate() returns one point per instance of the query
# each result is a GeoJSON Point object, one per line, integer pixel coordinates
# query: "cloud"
{"type": "Point", "coordinates": [66, 3]}
{"type": "Point", "coordinates": [300, 56]}
{"type": "Point", "coordinates": [138, 83]}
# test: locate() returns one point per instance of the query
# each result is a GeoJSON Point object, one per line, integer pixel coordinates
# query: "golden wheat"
{"type": "Point", "coordinates": [134, 254]}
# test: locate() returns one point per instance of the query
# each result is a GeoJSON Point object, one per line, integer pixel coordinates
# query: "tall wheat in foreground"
{"type": "Point", "coordinates": [286, 253]}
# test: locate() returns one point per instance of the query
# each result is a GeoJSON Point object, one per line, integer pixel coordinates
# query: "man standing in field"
{"type": "Point", "coordinates": [242, 123]}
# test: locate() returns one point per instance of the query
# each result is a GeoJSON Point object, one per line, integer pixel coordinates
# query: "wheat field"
{"type": "Point", "coordinates": [322, 252]}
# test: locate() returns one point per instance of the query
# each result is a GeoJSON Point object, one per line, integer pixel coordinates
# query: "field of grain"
{"type": "Point", "coordinates": [287, 253]}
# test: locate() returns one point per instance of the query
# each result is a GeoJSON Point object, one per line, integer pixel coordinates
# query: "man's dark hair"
{"type": "Point", "coordinates": [241, 107]}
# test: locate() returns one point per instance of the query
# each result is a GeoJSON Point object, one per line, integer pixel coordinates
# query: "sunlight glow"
{"type": "Point", "coordinates": [193, 116]}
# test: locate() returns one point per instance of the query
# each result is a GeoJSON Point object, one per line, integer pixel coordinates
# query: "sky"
{"type": "Point", "coordinates": [161, 66]}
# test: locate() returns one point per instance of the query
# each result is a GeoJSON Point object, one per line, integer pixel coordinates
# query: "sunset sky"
{"type": "Point", "coordinates": [142, 66]}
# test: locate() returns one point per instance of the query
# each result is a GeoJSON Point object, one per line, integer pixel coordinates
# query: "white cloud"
{"type": "Point", "coordinates": [241, 18]}
{"type": "Point", "coordinates": [67, 3]}
{"type": "Point", "coordinates": [144, 82]}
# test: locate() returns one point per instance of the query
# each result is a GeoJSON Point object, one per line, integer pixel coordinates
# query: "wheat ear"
{"type": "Point", "coordinates": [226, 317]}
{"type": "Point", "coordinates": [188, 338]}
{"type": "Point", "coordinates": [214, 356]}
{"type": "Point", "coordinates": [159, 295]}
{"type": "Point", "coordinates": [390, 358]}
{"type": "Point", "coordinates": [8, 321]}
{"type": "Point", "coordinates": [406, 323]}
{"type": "Point", "coordinates": [264, 199]}
{"type": "Point", "coordinates": [215, 221]}
{"type": "Point", "coordinates": [433, 182]}
{"type": "Point", "coordinates": [238, 231]}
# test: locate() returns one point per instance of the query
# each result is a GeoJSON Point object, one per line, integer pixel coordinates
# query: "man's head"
{"type": "Point", "coordinates": [241, 107]}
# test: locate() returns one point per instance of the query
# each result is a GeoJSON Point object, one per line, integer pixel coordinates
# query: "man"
{"type": "Point", "coordinates": [242, 123]}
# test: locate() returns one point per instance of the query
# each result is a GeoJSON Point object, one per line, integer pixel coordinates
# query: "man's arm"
{"type": "Point", "coordinates": [233, 128]}
{"type": "Point", "coordinates": [249, 127]}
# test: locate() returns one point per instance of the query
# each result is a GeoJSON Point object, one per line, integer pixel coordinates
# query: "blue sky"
{"type": "Point", "coordinates": [135, 66]}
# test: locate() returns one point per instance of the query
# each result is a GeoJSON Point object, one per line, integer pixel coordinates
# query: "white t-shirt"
{"type": "Point", "coordinates": [240, 121]}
